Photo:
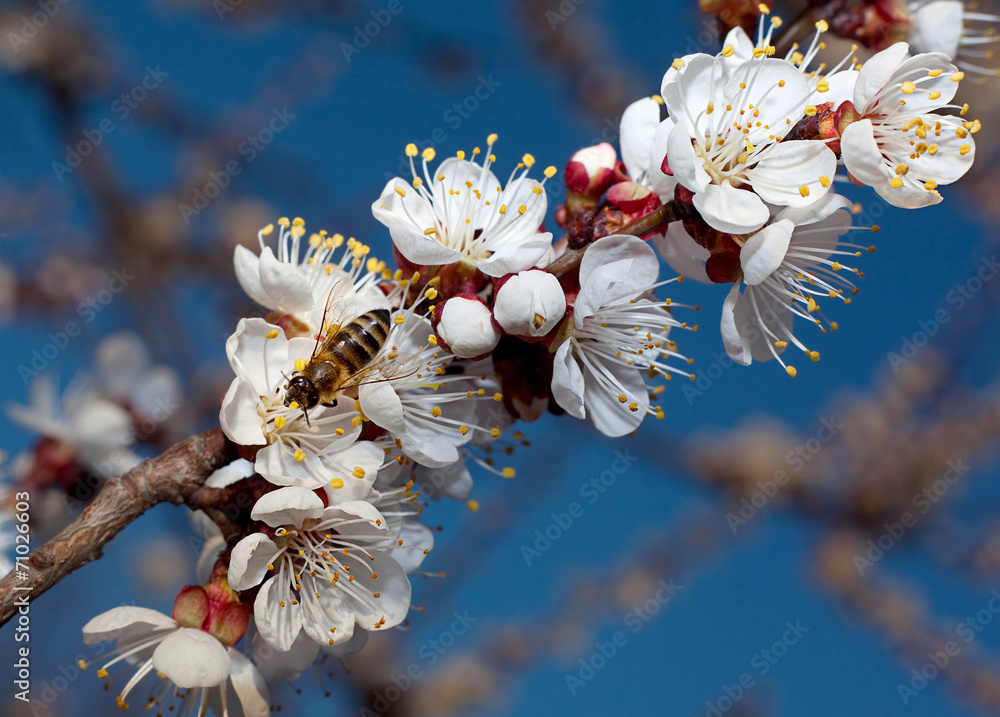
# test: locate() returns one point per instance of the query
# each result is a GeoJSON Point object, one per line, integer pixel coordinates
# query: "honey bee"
{"type": "Point", "coordinates": [343, 360]}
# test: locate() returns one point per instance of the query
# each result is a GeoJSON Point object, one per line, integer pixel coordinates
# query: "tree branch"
{"type": "Point", "coordinates": [177, 476]}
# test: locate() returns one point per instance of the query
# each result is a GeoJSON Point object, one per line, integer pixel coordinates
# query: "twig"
{"type": "Point", "coordinates": [177, 476]}
{"type": "Point", "coordinates": [570, 259]}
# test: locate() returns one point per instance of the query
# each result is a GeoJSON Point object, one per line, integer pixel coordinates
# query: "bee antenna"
{"type": "Point", "coordinates": [306, 414]}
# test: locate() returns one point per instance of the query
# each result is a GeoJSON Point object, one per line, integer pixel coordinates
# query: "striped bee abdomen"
{"type": "Point", "coordinates": [359, 341]}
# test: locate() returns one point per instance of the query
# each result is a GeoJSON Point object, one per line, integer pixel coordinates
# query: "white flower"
{"type": "Point", "coordinates": [299, 283]}
{"type": "Point", "coordinates": [321, 451]}
{"type": "Point", "coordinates": [898, 146]}
{"type": "Point", "coordinates": [618, 336]}
{"type": "Point", "coordinates": [945, 26]}
{"type": "Point", "coordinates": [429, 408]}
{"type": "Point", "coordinates": [529, 304]}
{"type": "Point", "coordinates": [331, 569]}
{"type": "Point", "coordinates": [465, 326]}
{"type": "Point", "coordinates": [786, 267]}
{"type": "Point", "coordinates": [97, 431]}
{"type": "Point", "coordinates": [401, 508]}
{"type": "Point", "coordinates": [729, 125]}
{"type": "Point", "coordinates": [463, 213]}
{"type": "Point", "coordinates": [126, 372]}
{"type": "Point", "coordinates": [197, 671]}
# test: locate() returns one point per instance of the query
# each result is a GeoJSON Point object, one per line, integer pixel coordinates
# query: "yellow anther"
{"type": "Point", "coordinates": [495, 432]}
{"type": "Point", "coordinates": [528, 160]}
{"type": "Point", "coordinates": [896, 182]}
{"type": "Point", "coordinates": [463, 430]}
{"type": "Point", "coordinates": [814, 355]}
{"type": "Point", "coordinates": [267, 230]}
{"type": "Point", "coordinates": [498, 397]}
{"type": "Point", "coordinates": [293, 405]}
{"type": "Point", "coordinates": [300, 364]}
{"type": "Point", "coordinates": [336, 483]}
{"type": "Point", "coordinates": [272, 334]}
{"type": "Point", "coordinates": [428, 154]}
{"type": "Point", "coordinates": [399, 320]}
{"type": "Point", "coordinates": [907, 88]}
{"type": "Point", "coordinates": [411, 150]}
{"type": "Point", "coordinates": [508, 473]}
{"type": "Point", "coordinates": [491, 139]}
{"type": "Point", "coordinates": [300, 455]}
{"type": "Point", "coordinates": [790, 370]}
{"type": "Point", "coordinates": [472, 505]}
{"type": "Point", "coordinates": [804, 190]}
{"type": "Point", "coordinates": [279, 422]}
{"type": "Point", "coordinates": [522, 209]}
{"type": "Point", "coordinates": [964, 149]}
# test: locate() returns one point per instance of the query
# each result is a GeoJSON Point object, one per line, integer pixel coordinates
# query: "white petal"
{"type": "Point", "coordinates": [755, 311]}
{"type": "Point", "coordinates": [247, 266]}
{"type": "Point", "coordinates": [421, 248]}
{"type": "Point", "coordinates": [568, 382]}
{"type": "Point", "coordinates": [277, 666]}
{"type": "Point", "coordinates": [286, 287]}
{"type": "Point", "coordinates": [512, 258]}
{"type": "Point", "coordinates": [192, 658]}
{"type": "Point", "coordinates": [112, 624]}
{"type": "Point", "coordinates": [876, 72]}
{"type": "Point", "coordinates": [287, 506]}
{"type": "Point", "coordinates": [737, 345]}
{"type": "Point", "coordinates": [731, 210]}
{"type": "Point", "coordinates": [249, 560]}
{"type": "Point", "coordinates": [937, 26]}
{"type": "Point", "coordinates": [239, 418]}
{"type": "Point", "coordinates": [600, 285]}
{"type": "Point", "coordinates": [278, 625]}
{"type": "Point", "coordinates": [639, 122]}
{"type": "Point", "coordinates": [788, 166]}
{"type": "Point", "coordinates": [250, 685]}
{"type": "Point", "coordinates": [687, 167]}
{"type": "Point", "coordinates": [861, 154]}
{"type": "Point", "coordinates": [380, 402]}
{"type": "Point", "coordinates": [604, 409]}
{"type": "Point", "coordinates": [764, 251]}
{"type": "Point", "coordinates": [682, 253]}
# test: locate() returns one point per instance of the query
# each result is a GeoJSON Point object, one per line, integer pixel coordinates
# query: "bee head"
{"type": "Point", "coordinates": [302, 391]}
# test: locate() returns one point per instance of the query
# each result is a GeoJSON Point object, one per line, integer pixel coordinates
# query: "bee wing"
{"type": "Point", "coordinates": [389, 367]}
{"type": "Point", "coordinates": [339, 310]}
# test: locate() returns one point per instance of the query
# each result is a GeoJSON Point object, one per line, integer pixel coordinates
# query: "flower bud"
{"type": "Point", "coordinates": [590, 171]}
{"type": "Point", "coordinates": [228, 618]}
{"type": "Point", "coordinates": [215, 609]}
{"type": "Point", "coordinates": [464, 326]}
{"type": "Point", "coordinates": [633, 198]}
{"type": "Point", "coordinates": [191, 606]}
{"type": "Point", "coordinates": [529, 304]}
{"type": "Point", "coordinates": [461, 277]}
